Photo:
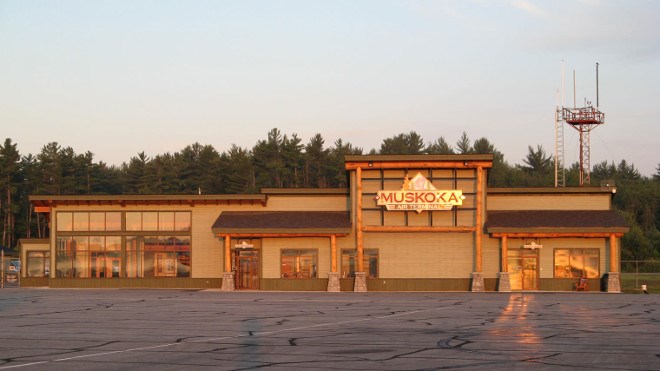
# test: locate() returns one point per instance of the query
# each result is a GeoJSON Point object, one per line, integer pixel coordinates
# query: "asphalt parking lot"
{"type": "Point", "coordinates": [55, 329]}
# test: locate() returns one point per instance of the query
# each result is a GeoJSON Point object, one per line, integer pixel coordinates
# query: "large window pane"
{"type": "Point", "coordinates": [349, 263]}
{"type": "Point", "coordinates": [298, 263]}
{"type": "Point", "coordinates": [97, 221]}
{"type": "Point", "coordinates": [150, 221]}
{"type": "Point", "coordinates": [80, 221]}
{"type": "Point", "coordinates": [113, 243]}
{"type": "Point", "coordinates": [166, 221]}
{"type": "Point", "coordinates": [64, 257]}
{"type": "Point", "coordinates": [64, 222]}
{"type": "Point", "coordinates": [113, 221]}
{"type": "Point", "coordinates": [562, 265]}
{"type": "Point", "coordinates": [575, 263]}
{"type": "Point", "coordinates": [133, 221]}
{"type": "Point", "coordinates": [182, 221]}
{"type": "Point", "coordinates": [96, 243]}
{"type": "Point", "coordinates": [134, 256]}
{"type": "Point", "coordinates": [38, 264]}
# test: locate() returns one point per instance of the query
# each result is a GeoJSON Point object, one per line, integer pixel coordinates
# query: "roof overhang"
{"type": "Point", "coordinates": [555, 223]}
{"type": "Point", "coordinates": [48, 201]}
{"type": "Point", "coordinates": [282, 223]}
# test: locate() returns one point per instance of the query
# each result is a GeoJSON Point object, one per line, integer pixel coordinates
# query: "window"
{"type": "Point", "coordinates": [158, 221]}
{"type": "Point", "coordinates": [160, 249]}
{"type": "Point", "coordinates": [83, 221]}
{"type": "Point", "coordinates": [71, 255]}
{"type": "Point", "coordinates": [158, 256]}
{"type": "Point", "coordinates": [299, 263]}
{"type": "Point", "coordinates": [38, 263]}
{"type": "Point", "coordinates": [64, 221]}
{"type": "Point", "coordinates": [349, 263]}
{"type": "Point", "coordinates": [574, 263]}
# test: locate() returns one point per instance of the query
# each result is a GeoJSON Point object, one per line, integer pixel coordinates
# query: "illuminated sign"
{"type": "Point", "coordinates": [418, 194]}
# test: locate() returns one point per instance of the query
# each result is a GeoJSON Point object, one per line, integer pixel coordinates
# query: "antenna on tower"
{"type": "Point", "coordinates": [597, 102]}
{"type": "Point", "coordinates": [584, 120]}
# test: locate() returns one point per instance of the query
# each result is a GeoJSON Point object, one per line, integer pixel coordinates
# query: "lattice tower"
{"type": "Point", "coordinates": [560, 169]}
{"type": "Point", "coordinates": [584, 120]}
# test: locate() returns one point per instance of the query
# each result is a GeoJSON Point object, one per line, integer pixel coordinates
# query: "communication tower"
{"type": "Point", "coordinates": [584, 120]}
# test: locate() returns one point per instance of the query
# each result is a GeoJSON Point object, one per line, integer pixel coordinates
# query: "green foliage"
{"type": "Point", "coordinates": [284, 161]}
{"type": "Point", "coordinates": [403, 144]}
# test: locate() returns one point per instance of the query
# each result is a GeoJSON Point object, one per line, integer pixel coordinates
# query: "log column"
{"type": "Point", "coordinates": [477, 275]}
{"type": "Point", "coordinates": [228, 275]}
{"type": "Point", "coordinates": [360, 275]}
{"type": "Point", "coordinates": [613, 276]}
{"type": "Point", "coordinates": [333, 276]}
{"type": "Point", "coordinates": [503, 279]}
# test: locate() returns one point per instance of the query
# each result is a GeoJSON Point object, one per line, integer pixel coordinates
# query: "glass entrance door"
{"type": "Point", "coordinates": [530, 276]}
{"type": "Point", "coordinates": [523, 270]}
{"type": "Point", "coordinates": [247, 270]}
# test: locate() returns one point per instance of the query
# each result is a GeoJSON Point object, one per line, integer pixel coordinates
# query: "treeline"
{"type": "Point", "coordinates": [282, 161]}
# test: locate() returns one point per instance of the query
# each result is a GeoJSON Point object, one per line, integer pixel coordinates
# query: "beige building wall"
{"type": "Point", "coordinates": [307, 203]}
{"type": "Point", "coordinates": [548, 202]}
{"type": "Point", "coordinates": [422, 255]}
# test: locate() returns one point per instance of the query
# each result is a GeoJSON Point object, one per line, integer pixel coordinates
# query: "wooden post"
{"type": "Point", "coordinates": [479, 226]}
{"type": "Point", "coordinates": [613, 255]}
{"type": "Point", "coordinates": [227, 253]}
{"type": "Point", "coordinates": [333, 253]}
{"type": "Point", "coordinates": [360, 249]}
{"type": "Point", "coordinates": [505, 254]}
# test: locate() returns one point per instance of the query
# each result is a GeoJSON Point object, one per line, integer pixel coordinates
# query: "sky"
{"type": "Point", "coordinates": [121, 77]}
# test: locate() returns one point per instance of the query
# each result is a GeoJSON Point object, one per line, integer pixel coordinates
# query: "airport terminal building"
{"type": "Point", "coordinates": [406, 223]}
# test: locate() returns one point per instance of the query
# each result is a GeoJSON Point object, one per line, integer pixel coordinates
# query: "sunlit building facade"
{"type": "Point", "coordinates": [406, 223]}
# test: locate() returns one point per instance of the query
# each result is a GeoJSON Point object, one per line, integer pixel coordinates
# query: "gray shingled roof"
{"type": "Point", "coordinates": [263, 222]}
{"type": "Point", "coordinates": [556, 220]}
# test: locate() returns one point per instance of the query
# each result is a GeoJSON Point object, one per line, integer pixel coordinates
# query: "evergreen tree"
{"type": "Point", "coordinates": [316, 163]}
{"type": "Point", "coordinates": [136, 179]}
{"type": "Point", "coordinates": [439, 147]}
{"type": "Point", "coordinates": [238, 171]}
{"type": "Point", "coordinates": [9, 181]}
{"type": "Point", "coordinates": [463, 145]}
{"type": "Point", "coordinates": [337, 176]}
{"type": "Point", "coordinates": [403, 144]}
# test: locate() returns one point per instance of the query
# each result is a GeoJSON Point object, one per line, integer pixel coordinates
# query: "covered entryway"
{"type": "Point", "coordinates": [246, 264]}
{"type": "Point", "coordinates": [243, 269]}
{"type": "Point", "coordinates": [520, 268]}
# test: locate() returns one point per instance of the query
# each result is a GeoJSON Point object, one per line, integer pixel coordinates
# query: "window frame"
{"type": "Point", "coordinates": [352, 253]}
{"type": "Point", "coordinates": [300, 273]}
{"type": "Point", "coordinates": [573, 254]}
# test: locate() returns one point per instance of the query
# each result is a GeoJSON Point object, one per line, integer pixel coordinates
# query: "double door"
{"type": "Point", "coordinates": [246, 264]}
{"type": "Point", "coordinates": [524, 270]}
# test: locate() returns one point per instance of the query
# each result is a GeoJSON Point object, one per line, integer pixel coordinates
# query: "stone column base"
{"type": "Point", "coordinates": [228, 281]}
{"type": "Point", "coordinates": [333, 282]}
{"type": "Point", "coordinates": [613, 282]}
{"type": "Point", "coordinates": [477, 282]}
{"type": "Point", "coordinates": [360, 282]}
{"type": "Point", "coordinates": [503, 282]}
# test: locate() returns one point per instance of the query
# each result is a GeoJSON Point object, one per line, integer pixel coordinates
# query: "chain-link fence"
{"type": "Point", "coordinates": [640, 275]}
